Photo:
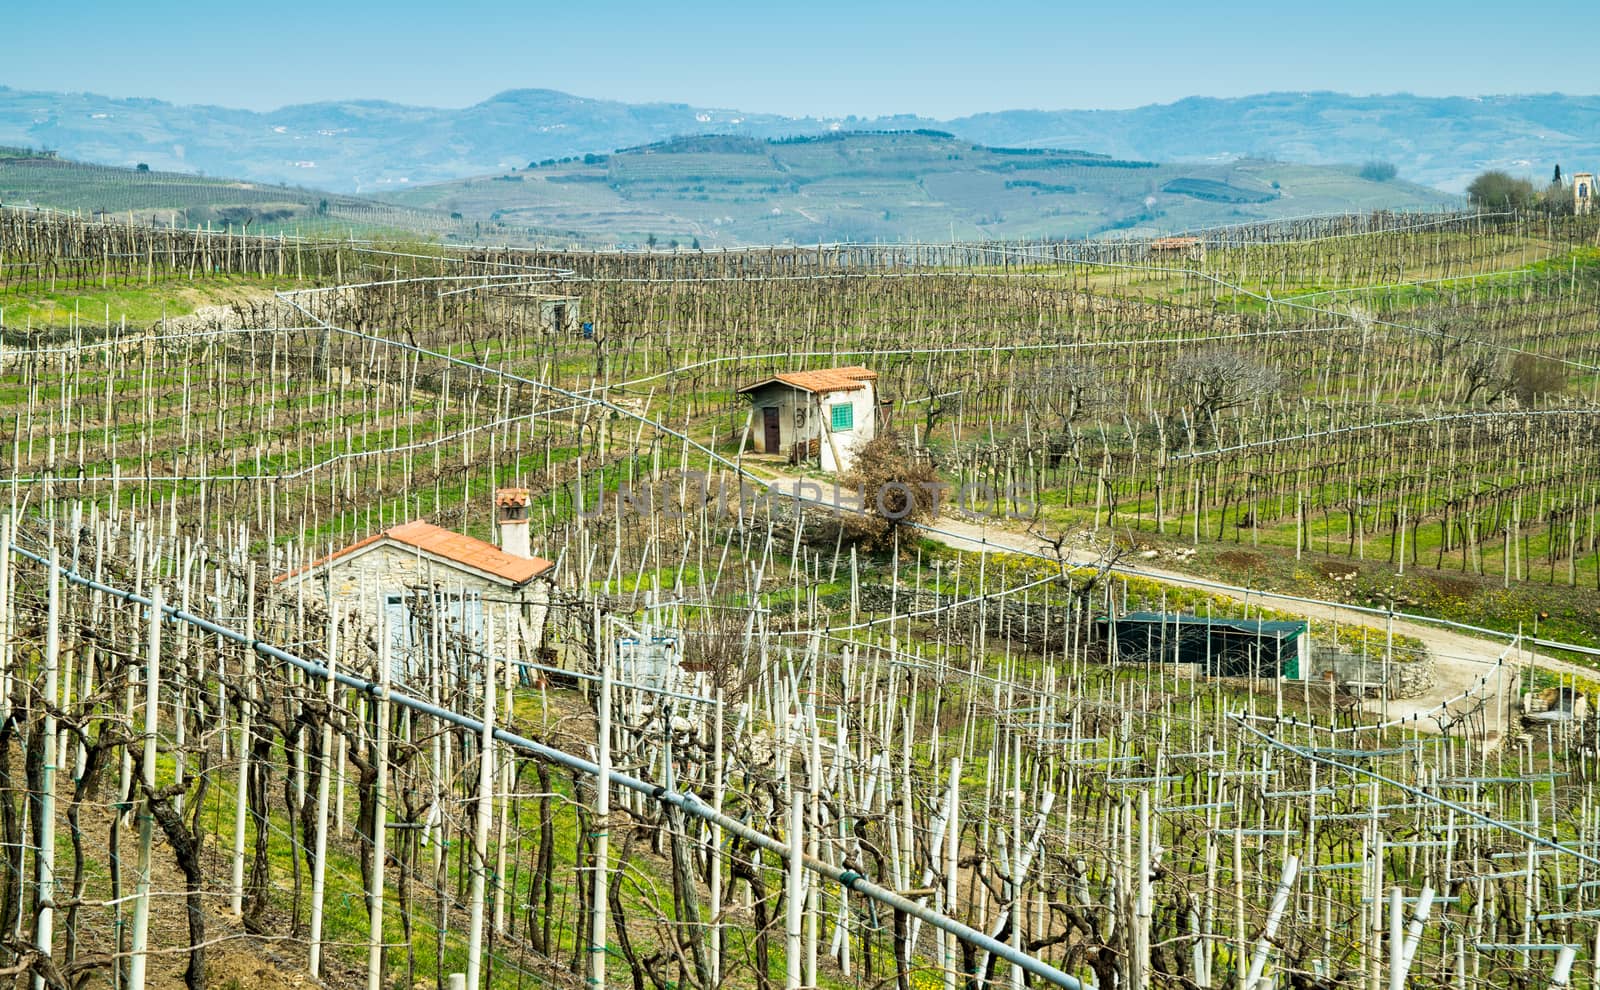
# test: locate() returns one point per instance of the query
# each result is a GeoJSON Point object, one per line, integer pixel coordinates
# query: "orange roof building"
{"type": "Point", "coordinates": [445, 548]}
{"type": "Point", "coordinates": [819, 418]}
{"type": "Point", "coordinates": [820, 382]}
{"type": "Point", "coordinates": [417, 579]}
{"type": "Point", "coordinates": [1192, 248]}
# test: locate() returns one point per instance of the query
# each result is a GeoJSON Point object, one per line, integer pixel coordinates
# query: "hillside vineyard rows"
{"type": "Point", "coordinates": [750, 740]}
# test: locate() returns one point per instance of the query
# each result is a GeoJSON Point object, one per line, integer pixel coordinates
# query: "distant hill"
{"type": "Point", "coordinates": [729, 190]}
{"type": "Point", "coordinates": [365, 146]}
{"type": "Point", "coordinates": [352, 146]}
{"type": "Point", "coordinates": [1440, 142]}
{"type": "Point", "coordinates": [28, 178]}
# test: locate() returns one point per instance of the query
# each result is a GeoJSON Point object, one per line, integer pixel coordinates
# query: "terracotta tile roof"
{"type": "Point", "coordinates": [464, 550]}
{"type": "Point", "coordinates": [352, 548]}
{"type": "Point", "coordinates": [823, 381]}
{"type": "Point", "coordinates": [1174, 243]}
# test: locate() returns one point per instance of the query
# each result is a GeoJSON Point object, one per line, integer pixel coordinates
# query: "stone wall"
{"type": "Point", "coordinates": [1410, 672]}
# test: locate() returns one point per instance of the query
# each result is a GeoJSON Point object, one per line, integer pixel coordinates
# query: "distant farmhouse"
{"type": "Point", "coordinates": [1178, 249]}
{"type": "Point", "coordinates": [817, 418]}
{"type": "Point", "coordinates": [1583, 194]}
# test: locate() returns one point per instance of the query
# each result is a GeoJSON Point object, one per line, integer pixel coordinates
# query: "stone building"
{"type": "Point", "coordinates": [437, 591]}
{"type": "Point", "coordinates": [816, 418]}
{"type": "Point", "coordinates": [1166, 249]}
{"type": "Point", "coordinates": [560, 314]}
{"type": "Point", "coordinates": [1583, 193]}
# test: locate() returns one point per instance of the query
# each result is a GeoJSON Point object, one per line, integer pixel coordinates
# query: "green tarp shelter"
{"type": "Point", "coordinates": [1221, 646]}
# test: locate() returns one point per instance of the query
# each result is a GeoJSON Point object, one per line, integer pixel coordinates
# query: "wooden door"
{"type": "Point", "coordinates": [769, 421]}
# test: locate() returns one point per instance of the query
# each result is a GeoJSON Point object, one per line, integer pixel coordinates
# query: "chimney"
{"type": "Point", "coordinates": [511, 514]}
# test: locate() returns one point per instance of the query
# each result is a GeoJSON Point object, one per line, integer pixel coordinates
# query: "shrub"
{"type": "Point", "coordinates": [1376, 171]}
{"type": "Point", "coordinates": [1498, 190]}
{"type": "Point", "coordinates": [1533, 376]}
{"type": "Point", "coordinates": [885, 471]}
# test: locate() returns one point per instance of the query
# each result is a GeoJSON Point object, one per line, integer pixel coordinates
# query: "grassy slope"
{"type": "Point", "coordinates": [187, 200]}
{"type": "Point", "coordinates": [40, 304]}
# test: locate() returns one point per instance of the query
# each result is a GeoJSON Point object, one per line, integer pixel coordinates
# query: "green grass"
{"type": "Point", "coordinates": [42, 304]}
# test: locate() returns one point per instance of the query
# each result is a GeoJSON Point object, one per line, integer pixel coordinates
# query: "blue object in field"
{"type": "Point", "coordinates": [588, 330]}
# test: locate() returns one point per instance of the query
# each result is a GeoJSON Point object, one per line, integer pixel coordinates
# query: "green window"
{"type": "Point", "coordinates": [844, 417]}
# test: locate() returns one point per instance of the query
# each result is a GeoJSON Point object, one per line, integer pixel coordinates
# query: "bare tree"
{"type": "Point", "coordinates": [1064, 392]}
{"type": "Point", "coordinates": [941, 394]}
{"type": "Point", "coordinates": [1083, 575]}
{"type": "Point", "coordinates": [1068, 389]}
{"type": "Point", "coordinates": [1483, 374]}
{"type": "Point", "coordinates": [1557, 198]}
{"type": "Point", "coordinates": [1218, 379]}
{"type": "Point", "coordinates": [1444, 336]}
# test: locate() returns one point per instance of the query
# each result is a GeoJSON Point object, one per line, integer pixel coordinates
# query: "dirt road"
{"type": "Point", "coordinates": [1470, 673]}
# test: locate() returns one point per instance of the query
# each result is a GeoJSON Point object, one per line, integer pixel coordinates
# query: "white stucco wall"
{"type": "Point", "coordinates": [864, 403]}
{"type": "Point", "coordinates": [803, 416]}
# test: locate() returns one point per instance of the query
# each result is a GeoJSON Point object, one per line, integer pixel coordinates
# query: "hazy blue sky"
{"type": "Point", "coordinates": [818, 57]}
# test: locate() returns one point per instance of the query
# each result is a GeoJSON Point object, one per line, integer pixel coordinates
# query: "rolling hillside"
{"type": "Point", "coordinates": [911, 185]}
{"type": "Point", "coordinates": [1440, 142]}
{"type": "Point", "coordinates": [184, 200]}
{"type": "Point", "coordinates": [353, 145]}
{"type": "Point", "coordinates": [361, 146]}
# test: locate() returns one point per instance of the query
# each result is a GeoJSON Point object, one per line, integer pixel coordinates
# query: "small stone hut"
{"type": "Point", "coordinates": [1178, 249]}
{"type": "Point", "coordinates": [560, 314]}
{"type": "Point", "coordinates": [814, 418]}
{"type": "Point", "coordinates": [417, 580]}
